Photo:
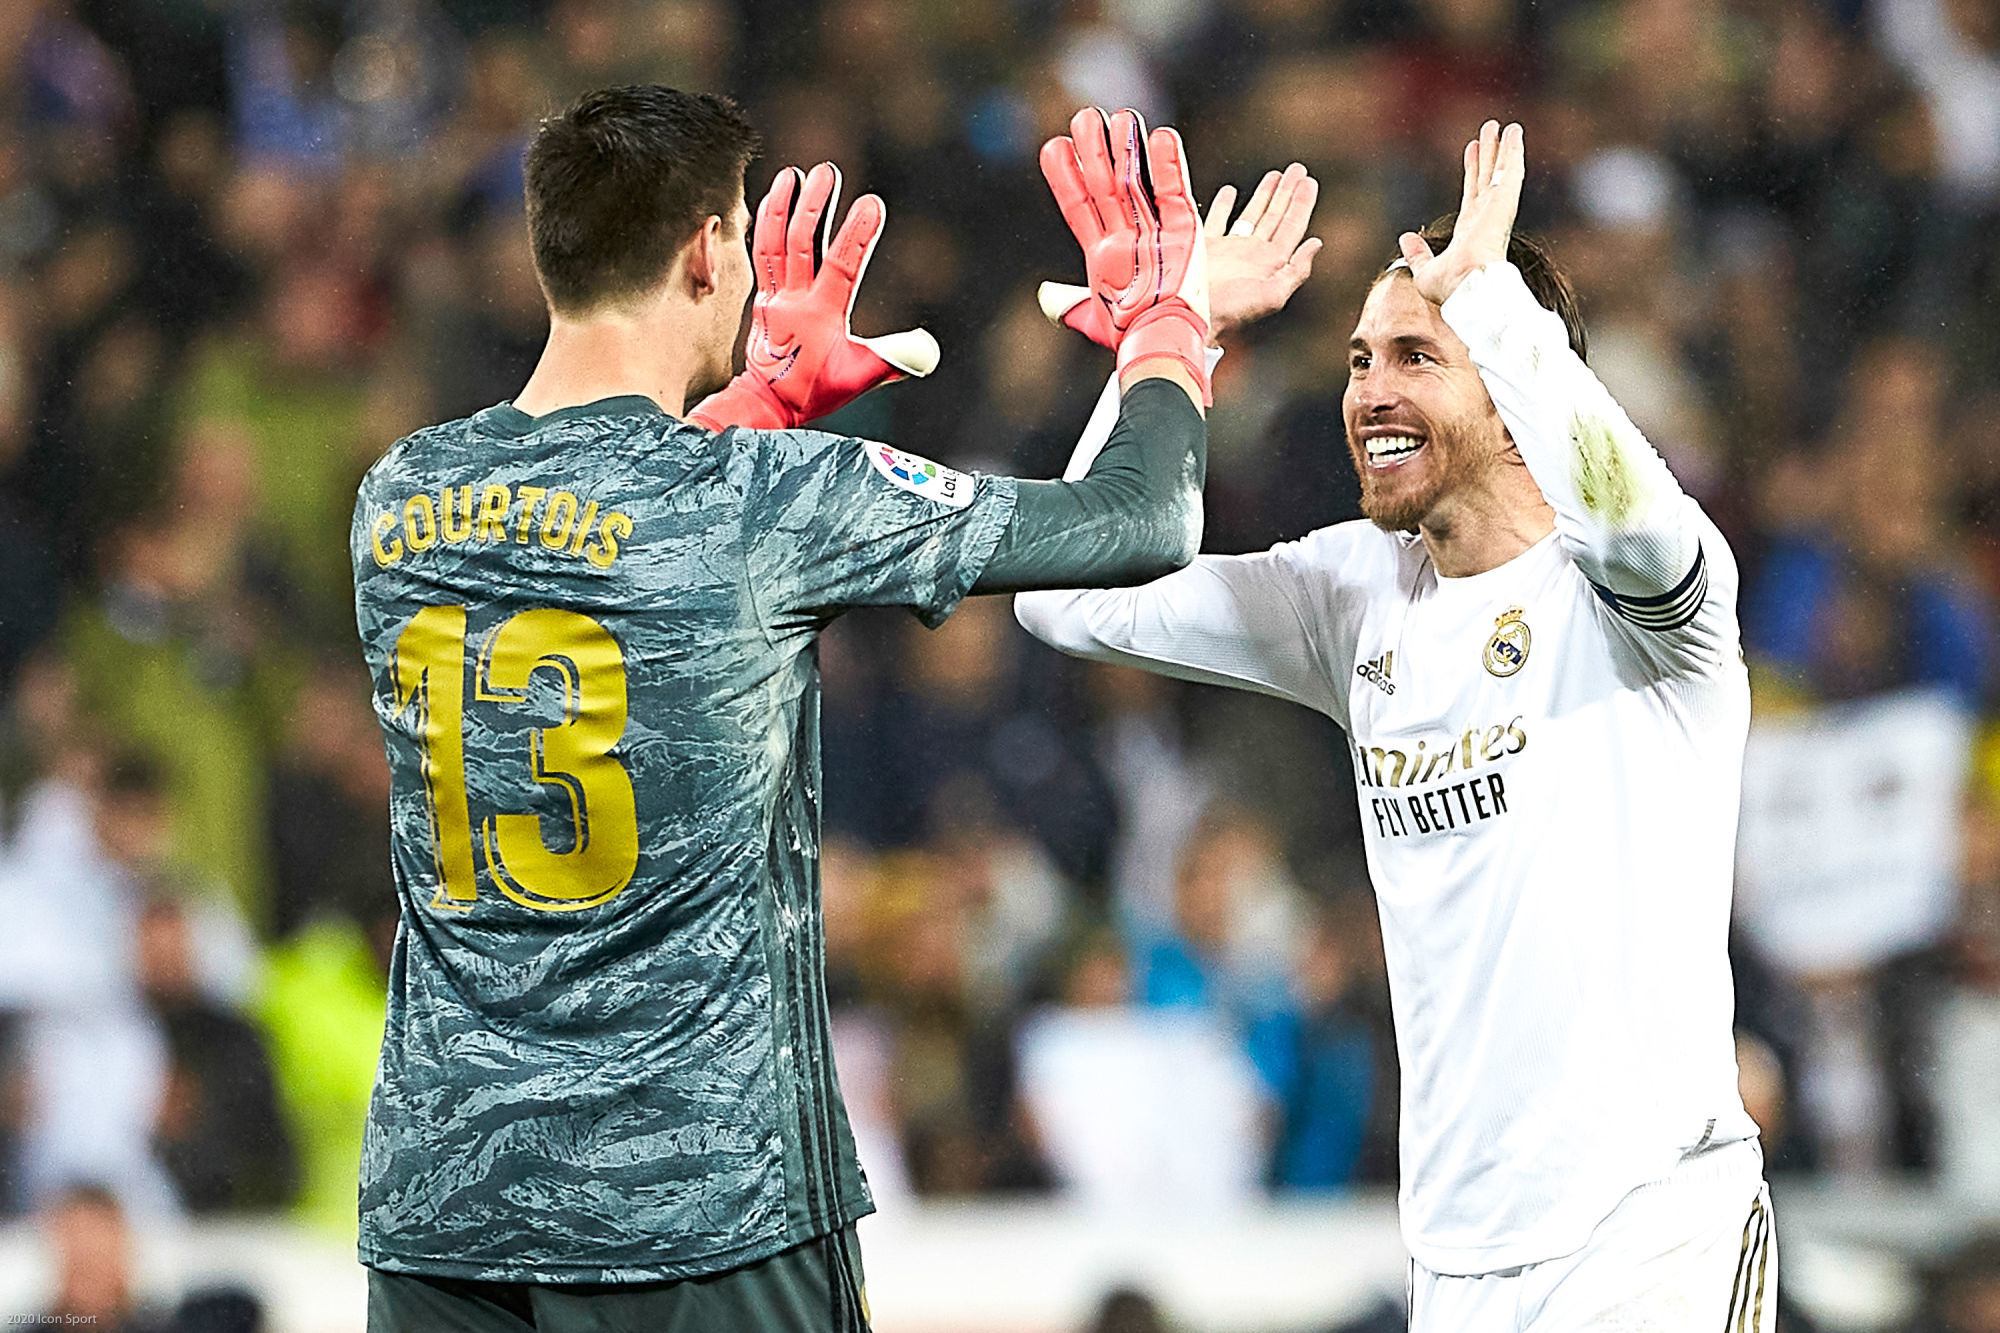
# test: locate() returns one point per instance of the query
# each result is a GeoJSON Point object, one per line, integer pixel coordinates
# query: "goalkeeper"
{"type": "Point", "coordinates": [606, 1098]}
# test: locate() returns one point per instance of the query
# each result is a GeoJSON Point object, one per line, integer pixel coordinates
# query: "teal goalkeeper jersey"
{"type": "Point", "coordinates": [591, 636]}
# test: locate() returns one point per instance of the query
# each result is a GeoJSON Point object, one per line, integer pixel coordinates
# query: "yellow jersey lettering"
{"type": "Point", "coordinates": [555, 535]}
{"type": "Point", "coordinates": [385, 556]}
{"type": "Point", "coordinates": [605, 549]}
{"type": "Point", "coordinates": [460, 531]}
{"type": "Point", "coordinates": [449, 517]}
{"type": "Point", "coordinates": [493, 503]}
{"type": "Point", "coordinates": [530, 497]}
{"type": "Point", "coordinates": [420, 536]}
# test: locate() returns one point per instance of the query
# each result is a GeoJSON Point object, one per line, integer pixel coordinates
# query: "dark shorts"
{"type": "Point", "coordinates": [812, 1288]}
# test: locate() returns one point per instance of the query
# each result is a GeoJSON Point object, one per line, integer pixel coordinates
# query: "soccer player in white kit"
{"type": "Point", "coordinates": [1534, 651]}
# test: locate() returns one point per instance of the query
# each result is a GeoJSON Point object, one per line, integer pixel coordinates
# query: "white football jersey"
{"type": "Point", "coordinates": [1548, 757]}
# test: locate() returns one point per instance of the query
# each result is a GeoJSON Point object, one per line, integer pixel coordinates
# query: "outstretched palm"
{"type": "Point", "coordinates": [1256, 264]}
{"type": "Point", "coordinates": [1495, 164]}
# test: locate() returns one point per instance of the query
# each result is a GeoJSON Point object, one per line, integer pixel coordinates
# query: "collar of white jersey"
{"type": "Point", "coordinates": [1528, 561]}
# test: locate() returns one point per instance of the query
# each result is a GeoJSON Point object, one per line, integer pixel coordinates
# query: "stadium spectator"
{"type": "Point", "coordinates": [855, 658]}
{"type": "Point", "coordinates": [1127, 1310]}
{"type": "Point", "coordinates": [1771, 1033]}
{"type": "Point", "coordinates": [94, 1065]}
{"type": "Point", "coordinates": [287, 111]}
{"type": "Point", "coordinates": [1940, 1019]}
{"type": "Point", "coordinates": [93, 1259]}
{"type": "Point", "coordinates": [1160, 786]}
{"type": "Point", "coordinates": [330, 809]}
{"type": "Point", "coordinates": [952, 1069]}
{"type": "Point", "coordinates": [218, 1133]}
{"type": "Point", "coordinates": [1953, 52]}
{"type": "Point", "coordinates": [1845, 1095]}
{"type": "Point", "coordinates": [1015, 902]}
{"type": "Point", "coordinates": [154, 674]}
{"type": "Point", "coordinates": [1336, 1075]}
{"type": "Point", "coordinates": [293, 381]}
{"type": "Point", "coordinates": [963, 707]}
{"type": "Point", "coordinates": [30, 593]}
{"type": "Point", "coordinates": [1874, 595]}
{"type": "Point", "coordinates": [1136, 1107]}
{"type": "Point", "coordinates": [1963, 1294]}
{"type": "Point", "coordinates": [1235, 932]}
{"type": "Point", "coordinates": [862, 1034]}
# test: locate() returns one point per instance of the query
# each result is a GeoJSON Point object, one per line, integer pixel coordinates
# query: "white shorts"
{"type": "Point", "coordinates": [1689, 1253]}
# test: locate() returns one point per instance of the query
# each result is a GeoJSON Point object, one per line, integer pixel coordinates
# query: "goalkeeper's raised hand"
{"type": "Point", "coordinates": [1254, 263]}
{"type": "Point", "coordinates": [1144, 255]}
{"type": "Point", "coordinates": [803, 360]}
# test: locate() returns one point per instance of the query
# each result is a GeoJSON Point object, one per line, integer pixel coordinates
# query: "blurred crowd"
{"type": "Point", "coordinates": [1087, 929]}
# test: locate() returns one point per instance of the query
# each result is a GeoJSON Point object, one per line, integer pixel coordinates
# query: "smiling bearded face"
{"type": "Point", "coordinates": [1420, 425]}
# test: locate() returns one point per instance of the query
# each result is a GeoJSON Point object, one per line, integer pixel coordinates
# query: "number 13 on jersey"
{"type": "Point", "coordinates": [573, 756]}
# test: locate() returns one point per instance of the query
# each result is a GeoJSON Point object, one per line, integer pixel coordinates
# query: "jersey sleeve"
{"type": "Point", "coordinates": [1238, 620]}
{"type": "Point", "coordinates": [834, 522]}
{"type": "Point", "coordinates": [1104, 417]}
{"type": "Point", "coordinates": [1659, 565]}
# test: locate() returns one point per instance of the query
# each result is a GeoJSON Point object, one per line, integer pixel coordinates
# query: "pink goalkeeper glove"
{"type": "Point", "coordinates": [803, 360]}
{"type": "Point", "coordinates": [1144, 257]}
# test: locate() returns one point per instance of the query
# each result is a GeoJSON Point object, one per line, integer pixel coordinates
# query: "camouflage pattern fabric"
{"type": "Point", "coordinates": [591, 637]}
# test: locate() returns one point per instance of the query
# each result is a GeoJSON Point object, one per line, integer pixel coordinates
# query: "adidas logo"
{"type": "Point", "coordinates": [1376, 672]}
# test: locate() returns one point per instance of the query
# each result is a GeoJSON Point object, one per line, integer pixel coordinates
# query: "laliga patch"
{"type": "Point", "coordinates": [920, 476]}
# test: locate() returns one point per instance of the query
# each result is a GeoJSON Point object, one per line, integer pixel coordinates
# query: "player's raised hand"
{"type": "Point", "coordinates": [1254, 265]}
{"type": "Point", "coordinates": [1145, 256]}
{"type": "Point", "coordinates": [803, 360]}
{"type": "Point", "coordinates": [1495, 165]}
{"type": "Point", "coordinates": [1257, 262]}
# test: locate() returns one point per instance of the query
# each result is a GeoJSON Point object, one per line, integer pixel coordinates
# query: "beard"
{"type": "Point", "coordinates": [1451, 459]}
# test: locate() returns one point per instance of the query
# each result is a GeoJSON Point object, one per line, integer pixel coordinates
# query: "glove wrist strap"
{"type": "Point", "coordinates": [1170, 330]}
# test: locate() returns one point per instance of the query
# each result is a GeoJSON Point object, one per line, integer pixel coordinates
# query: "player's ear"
{"type": "Point", "coordinates": [702, 258]}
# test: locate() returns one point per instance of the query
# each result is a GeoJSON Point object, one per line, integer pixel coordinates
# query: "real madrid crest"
{"type": "Point", "coordinates": [1507, 651]}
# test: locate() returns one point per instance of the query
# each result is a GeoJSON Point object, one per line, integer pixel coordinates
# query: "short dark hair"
{"type": "Point", "coordinates": [618, 183]}
{"type": "Point", "coordinates": [90, 1194]}
{"type": "Point", "coordinates": [1538, 269]}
